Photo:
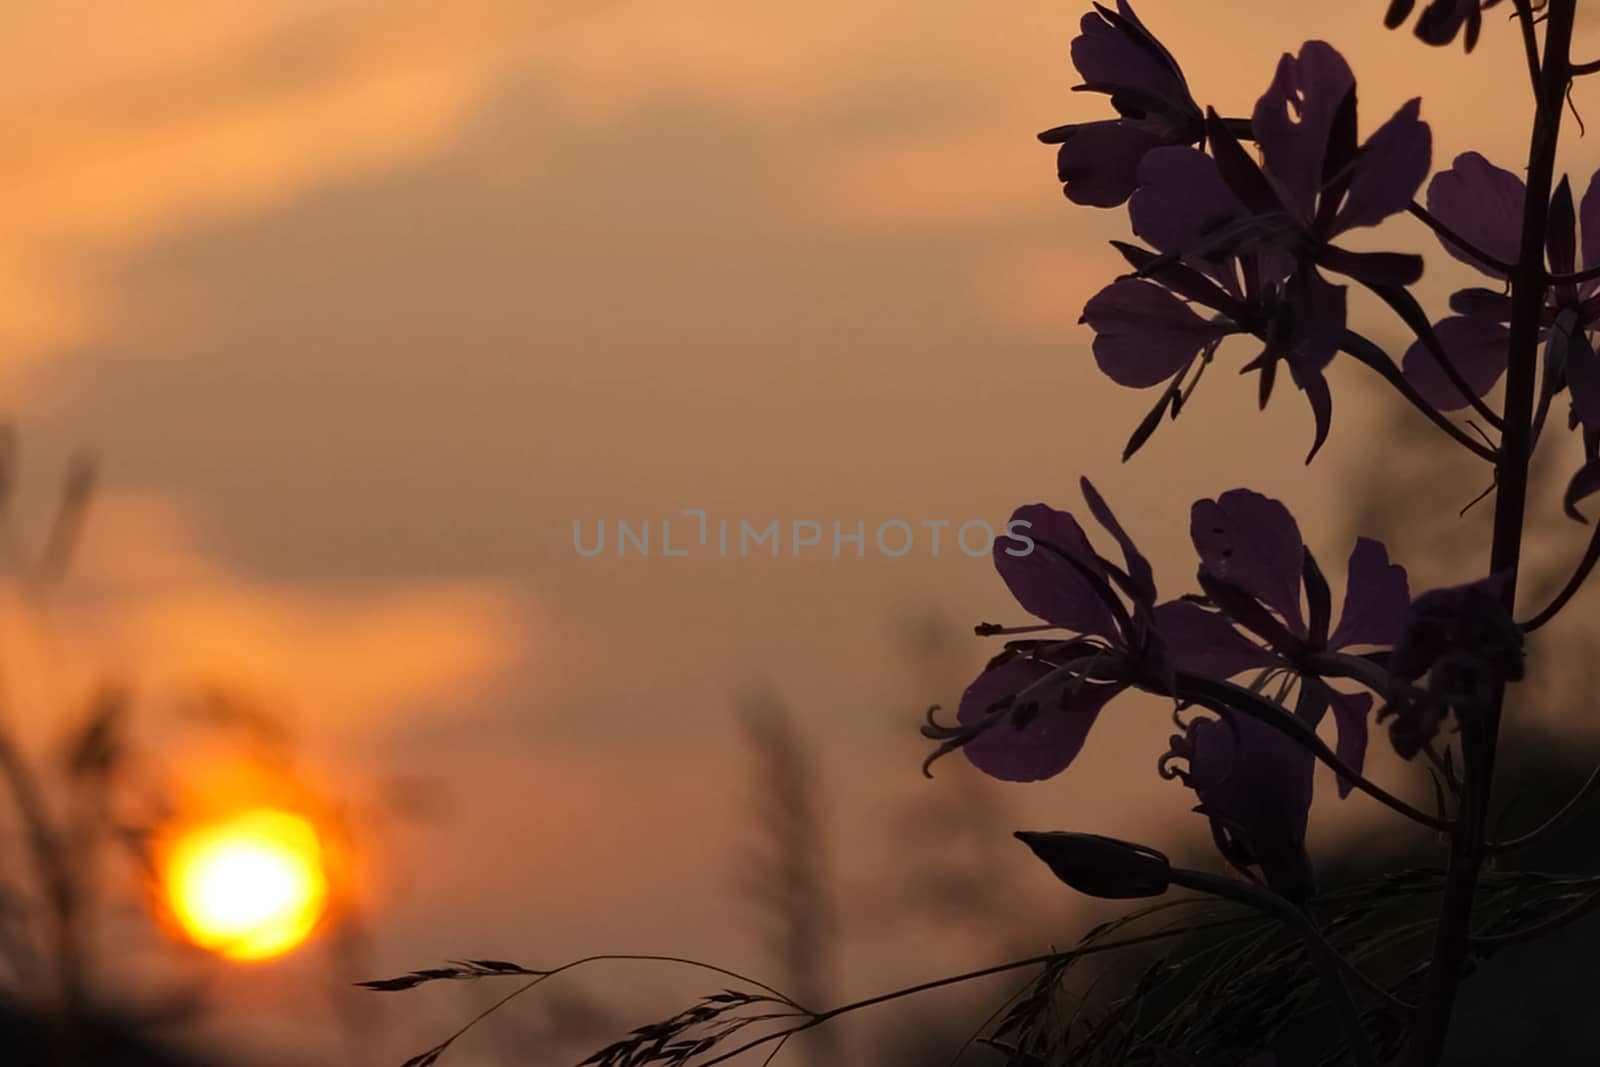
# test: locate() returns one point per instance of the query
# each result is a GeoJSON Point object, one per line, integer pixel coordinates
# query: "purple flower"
{"type": "Point", "coordinates": [1098, 162]}
{"type": "Point", "coordinates": [1466, 643]}
{"type": "Point", "coordinates": [1483, 205]}
{"type": "Point", "coordinates": [1254, 785]}
{"type": "Point", "coordinates": [1442, 20]}
{"type": "Point", "coordinates": [1026, 716]}
{"type": "Point", "coordinates": [1253, 568]}
{"type": "Point", "coordinates": [1253, 239]}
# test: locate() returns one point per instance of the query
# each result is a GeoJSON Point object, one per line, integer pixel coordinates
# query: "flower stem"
{"type": "Point", "coordinates": [1329, 964]}
{"type": "Point", "coordinates": [1453, 940]}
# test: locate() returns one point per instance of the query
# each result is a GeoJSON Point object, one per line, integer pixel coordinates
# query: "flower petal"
{"type": "Point", "coordinates": [1561, 231]}
{"type": "Point", "coordinates": [1589, 222]}
{"type": "Point", "coordinates": [1251, 541]}
{"type": "Point", "coordinates": [1047, 741]}
{"type": "Point", "coordinates": [1205, 642]}
{"type": "Point", "coordinates": [1117, 53]}
{"type": "Point", "coordinates": [1319, 320]}
{"type": "Point", "coordinates": [1295, 117]}
{"type": "Point", "coordinates": [1583, 374]}
{"type": "Point", "coordinates": [1376, 597]}
{"type": "Point", "coordinates": [1255, 785]}
{"type": "Point", "coordinates": [1388, 170]}
{"type": "Point", "coordinates": [1477, 349]}
{"type": "Point", "coordinates": [1350, 714]}
{"type": "Point", "coordinates": [1372, 268]}
{"type": "Point", "coordinates": [1143, 335]}
{"type": "Point", "coordinates": [1098, 163]}
{"type": "Point", "coordinates": [1483, 204]}
{"type": "Point", "coordinates": [1046, 574]}
{"type": "Point", "coordinates": [1479, 303]}
{"type": "Point", "coordinates": [1138, 568]}
{"type": "Point", "coordinates": [1182, 201]}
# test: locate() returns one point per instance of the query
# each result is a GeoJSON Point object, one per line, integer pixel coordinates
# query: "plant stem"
{"type": "Point", "coordinates": [1329, 964]}
{"type": "Point", "coordinates": [1453, 940]}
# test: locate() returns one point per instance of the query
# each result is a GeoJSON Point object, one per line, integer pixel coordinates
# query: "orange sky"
{"type": "Point", "coordinates": [363, 304]}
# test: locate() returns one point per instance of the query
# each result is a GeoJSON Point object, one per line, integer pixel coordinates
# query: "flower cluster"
{"type": "Point", "coordinates": [1251, 244]}
{"type": "Point", "coordinates": [1237, 246]}
{"type": "Point", "coordinates": [1264, 607]}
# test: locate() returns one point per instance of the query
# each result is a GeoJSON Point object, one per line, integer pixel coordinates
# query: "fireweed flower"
{"type": "Point", "coordinates": [1465, 642]}
{"type": "Point", "coordinates": [1098, 162]}
{"type": "Point", "coordinates": [1483, 204]}
{"type": "Point", "coordinates": [1253, 568]}
{"type": "Point", "coordinates": [1254, 786]}
{"type": "Point", "coordinates": [1026, 716]}
{"type": "Point", "coordinates": [1254, 239]}
{"type": "Point", "coordinates": [1442, 20]}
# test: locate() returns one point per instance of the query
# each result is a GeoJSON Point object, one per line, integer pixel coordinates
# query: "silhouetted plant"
{"type": "Point", "coordinates": [1245, 250]}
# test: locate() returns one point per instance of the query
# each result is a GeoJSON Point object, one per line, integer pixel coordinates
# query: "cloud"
{"type": "Point", "coordinates": [148, 601]}
{"type": "Point", "coordinates": [119, 129]}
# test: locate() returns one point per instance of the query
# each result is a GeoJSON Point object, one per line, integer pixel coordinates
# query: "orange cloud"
{"type": "Point", "coordinates": [149, 600]}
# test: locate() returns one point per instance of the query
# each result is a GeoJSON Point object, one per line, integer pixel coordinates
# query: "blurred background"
{"type": "Point", "coordinates": [360, 307]}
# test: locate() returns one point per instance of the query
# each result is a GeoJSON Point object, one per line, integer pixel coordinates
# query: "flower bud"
{"type": "Point", "coordinates": [1101, 866]}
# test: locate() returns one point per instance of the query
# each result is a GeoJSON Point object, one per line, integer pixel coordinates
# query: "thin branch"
{"type": "Point", "coordinates": [1560, 818]}
{"type": "Point", "coordinates": [1437, 225]}
{"type": "Point", "coordinates": [1588, 274]}
{"type": "Point", "coordinates": [543, 976]}
{"type": "Point", "coordinates": [1591, 556]}
{"type": "Point", "coordinates": [1530, 41]}
{"type": "Point", "coordinates": [1376, 358]}
{"type": "Point", "coordinates": [1330, 966]}
{"type": "Point", "coordinates": [1528, 933]}
{"type": "Point", "coordinates": [941, 983]}
{"type": "Point", "coordinates": [1405, 305]}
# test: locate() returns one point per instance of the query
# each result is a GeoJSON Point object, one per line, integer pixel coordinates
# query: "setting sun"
{"type": "Point", "coordinates": [250, 887]}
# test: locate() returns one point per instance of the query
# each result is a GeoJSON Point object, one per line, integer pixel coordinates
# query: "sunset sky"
{"type": "Point", "coordinates": [361, 305]}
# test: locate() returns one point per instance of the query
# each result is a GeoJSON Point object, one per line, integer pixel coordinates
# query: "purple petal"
{"type": "Point", "coordinates": [1143, 335]}
{"type": "Point", "coordinates": [1583, 376]}
{"type": "Point", "coordinates": [1372, 268]}
{"type": "Point", "coordinates": [1589, 220]}
{"type": "Point", "coordinates": [1240, 169]}
{"type": "Point", "coordinates": [1125, 9]}
{"type": "Point", "coordinates": [1107, 56]}
{"type": "Point", "coordinates": [1205, 642]}
{"type": "Point", "coordinates": [1442, 20]}
{"type": "Point", "coordinates": [1295, 117]}
{"type": "Point", "coordinates": [1098, 163]}
{"type": "Point", "coordinates": [1483, 204]}
{"type": "Point", "coordinates": [1319, 320]}
{"type": "Point", "coordinates": [1477, 349]}
{"type": "Point", "coordinates": [1255, 785]}
{"type": "Point", "coordinates": [1251, 541]}
{"type": "Point", "coordinates": [1561, 231]}
{"type": "Point", "coordinates": [1376, 598]}
{"type": "Point", "coordinates": [1049, 739]}
{"type": "Point", "coordinates": [1488, 304]}
{"type": "Point", "coordinates": [1042, 576]}
{"type": "Point", "coordinates": [1388, 171]}
{"type": "Point", "coordinates": [1138, 568]}
{"type": "Point", "coordinates": [1182, 201]}
{"type": "Point", "coordinates": [1350, 713]}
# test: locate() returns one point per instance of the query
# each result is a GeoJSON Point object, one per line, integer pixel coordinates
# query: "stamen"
{"type": "Point", "coordinates": [992, 629]}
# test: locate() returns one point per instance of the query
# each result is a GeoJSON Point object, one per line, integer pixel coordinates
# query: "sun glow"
{"type": "Point", "coordinates": [250, 887]}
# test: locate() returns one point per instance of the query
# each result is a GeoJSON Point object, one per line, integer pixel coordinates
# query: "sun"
{"type": "Point", "coordinates": [250, 887]}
